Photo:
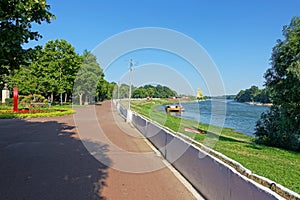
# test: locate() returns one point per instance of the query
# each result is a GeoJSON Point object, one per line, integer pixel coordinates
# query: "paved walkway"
{"type": "Point", "coordinates": [44, 159]}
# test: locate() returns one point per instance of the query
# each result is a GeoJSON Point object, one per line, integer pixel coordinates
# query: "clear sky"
{"type": "Point", "coordinates": [238, 35]}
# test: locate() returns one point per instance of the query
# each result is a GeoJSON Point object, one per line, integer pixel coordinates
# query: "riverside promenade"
{"type": "Point", "coordinates": [68, 158]}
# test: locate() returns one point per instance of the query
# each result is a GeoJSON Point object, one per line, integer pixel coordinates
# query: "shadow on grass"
{"type": "Point", "coordinates": [256, 146]}
{"type": "Point", "coordinates": [230, 139]}
{"type": "Point", "coordinates": [226, 138]}
{"type": "Point", "coordinates": [41, 160]}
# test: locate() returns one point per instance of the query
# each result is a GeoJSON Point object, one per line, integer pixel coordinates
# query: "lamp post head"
{"type": "Point", "coordinates": [5, 86]}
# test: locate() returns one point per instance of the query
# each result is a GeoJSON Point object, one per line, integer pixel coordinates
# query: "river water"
{"type": "Point", "coordinates": [239, 116]}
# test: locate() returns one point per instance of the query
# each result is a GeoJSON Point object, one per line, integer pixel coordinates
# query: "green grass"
{"type": "Point", "coordinates": [6, 112]}
{"type": "Point", "coordinates": [279, 165]}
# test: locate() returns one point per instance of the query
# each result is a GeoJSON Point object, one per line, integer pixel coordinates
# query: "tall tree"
{"type": "Point", "coordinates": [26, 80]}
{"type": "Point", "coordinates": [281, 126]}
{"type": "Point", "coordinates": [57, 66]}
{"type": "Point", "coordinates": [105, 89]}
{"type": "Point", "coordinates": [16, 19]}
{"type": "Point", "coordinates": [87, 78]}
{"type": "Point", "coordinates": [102, 88]}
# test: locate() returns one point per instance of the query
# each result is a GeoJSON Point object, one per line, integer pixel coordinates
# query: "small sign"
{"type": "Point", "coordinates": [16, 99]}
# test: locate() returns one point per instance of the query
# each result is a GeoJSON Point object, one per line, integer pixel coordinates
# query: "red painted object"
{"type": "Point", "coordinates": [16, 99]}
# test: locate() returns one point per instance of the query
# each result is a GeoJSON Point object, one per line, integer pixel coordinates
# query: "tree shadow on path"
{"type": "Point", "coordinates": [42, 160]}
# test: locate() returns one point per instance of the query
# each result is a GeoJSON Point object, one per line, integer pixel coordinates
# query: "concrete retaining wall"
{"type": "Point", "coordinates": [210, 176]}
{"type": "Point", "coordinates": [123, 111]}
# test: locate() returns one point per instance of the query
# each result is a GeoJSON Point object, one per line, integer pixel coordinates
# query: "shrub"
{"type": "Point", "coordinates": [9, 101]}
{"type": "Point", "coordinates": [278, 128]}
{"type": "Point", "coordinates": [28, 100]}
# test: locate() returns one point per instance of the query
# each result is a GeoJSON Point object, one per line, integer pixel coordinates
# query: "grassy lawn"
{"type": "Point", "coordinates": [6, 112]}
{"type": "Point", "coordinates": [279, 165]}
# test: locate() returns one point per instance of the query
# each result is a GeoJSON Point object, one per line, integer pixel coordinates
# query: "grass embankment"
{"type": "Point", "coordinates": [279, 165]}
{"type": "Point", "coordinates": [6, 112]}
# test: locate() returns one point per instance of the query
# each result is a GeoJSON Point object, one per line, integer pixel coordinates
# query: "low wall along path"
{"type": "Point", "coordinates": [210, 176]}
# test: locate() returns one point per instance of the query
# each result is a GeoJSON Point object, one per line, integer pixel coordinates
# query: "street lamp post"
{"type": "Point", "coordinates": [60, 86]}
{"type": "Point", "coordinates": [130, 83]}
{"type": "Point", "coordinates": [118, 90]}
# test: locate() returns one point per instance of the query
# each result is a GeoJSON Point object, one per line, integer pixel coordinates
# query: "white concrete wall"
{"type": "Point", "coordinates": [140, 123]}
{"type": "Point", "coordinates": [210, 176]}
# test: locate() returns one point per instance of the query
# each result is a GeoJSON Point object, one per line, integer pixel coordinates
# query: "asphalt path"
{"type": "Point", "coordinates": [94, 154]}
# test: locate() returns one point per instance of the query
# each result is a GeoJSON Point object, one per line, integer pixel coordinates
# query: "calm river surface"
{"type": "Point", "coordinates": [239, 116]}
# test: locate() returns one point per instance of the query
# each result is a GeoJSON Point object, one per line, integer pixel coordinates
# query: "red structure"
{"type": "Point", "coordinates": [16, 99]}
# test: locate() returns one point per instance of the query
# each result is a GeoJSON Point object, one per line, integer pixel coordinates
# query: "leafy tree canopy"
{"type": "Point", "coordinates": [57, 65]}
{"type": "Point", "coordinates": [158, 91]}
{"type": "Point", "coordinates": [16, 19]}
{"type": "Point", "coordinates": [52, 70]}
{"type": "Point", "coordinates": [254, 94]}
{"type": "Point", "coordinates": [281, 125]}
{"type": "Point", "coordinates": [87, 78]}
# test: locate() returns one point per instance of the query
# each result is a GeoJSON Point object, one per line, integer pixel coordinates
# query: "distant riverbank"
{"type": "Point", "coordinates": [259, 104]}
{"type": "Point", "coordinates": [241, 117]}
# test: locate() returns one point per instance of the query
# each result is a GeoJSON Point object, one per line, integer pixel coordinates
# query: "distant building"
{"type": "Point", "coordinates": [199, 94]}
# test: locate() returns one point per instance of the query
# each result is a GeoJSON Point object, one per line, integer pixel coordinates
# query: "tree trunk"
{"type": "Point", "coordinates": [86, 100]}
{"type": "Point", "coordinates": [66, 97]}
{"type": "Point", "coordinates": [80, 99]}
{"type": "Point", "coordinates": [52, 97]}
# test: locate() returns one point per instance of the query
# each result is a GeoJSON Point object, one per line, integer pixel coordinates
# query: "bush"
{"type": "Point", "coordinates": [9, 101]}
{"type": "Point", "coordinates": [277, 128]}
{"type": "Point", "coordinates": [26, 101]}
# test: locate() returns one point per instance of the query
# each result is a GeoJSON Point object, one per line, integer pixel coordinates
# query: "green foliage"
{"type": "Point", "coordinates": [155, 92]}
{"type": "Point", "coordinates": [146, 91]}
{"type": "Point", "coordinates": [87, 78]}
{"type": "Point", "coordinates": [52, 71]}
{"type": "Point", "coordinates": [9, 101]}
{"type": "Point", "coordinates": [26, 80]}
{"type": "Point", "coordinates": [124, 91]}
{"type": "Point", "coordinates": [105, 89]}
{"type": "Point", "coordinates": [57, 66]}
{"type": "Point", "coordinates": [264, 96]}
{"type": "Point", "coordinates": [254, 94]}
{"type": "Point", "coordinates": [26, 101]}
{"type": "Point", "coordinates": [281, 126]}
{"type": "Point", "coordinates": [16, 19]}
{"type": "Point", "coordinates": [140, 93]}
{"type": "Point", "coordinates": [276, 128]}
{"type": "Point", "coordinates": [163, 92]}
{"type": "Point", "coordinates": [283, 76]}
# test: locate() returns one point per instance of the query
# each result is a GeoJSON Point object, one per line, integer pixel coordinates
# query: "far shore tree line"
{"type": "Point", "coordinates": [254, 94]}
{"type": "Point", "coordinates": [57, 71]}
{"type": "Point", "coordinates": [151, 91]}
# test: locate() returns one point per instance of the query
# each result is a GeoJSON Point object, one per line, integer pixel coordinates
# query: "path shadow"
{"type": "Point", "coordinates": [42, 160]}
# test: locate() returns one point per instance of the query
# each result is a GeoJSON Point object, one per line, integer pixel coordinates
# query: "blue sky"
{"type": "Point", "coordinates": [238, 35]}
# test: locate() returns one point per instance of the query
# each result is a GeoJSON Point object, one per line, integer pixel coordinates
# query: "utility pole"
{"type": "Point", "coordinates": [130, 71]}
{"type": "Point", "coordinates": [60, 86]}
{"type": "Point", "coordinates": [119, 90]}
